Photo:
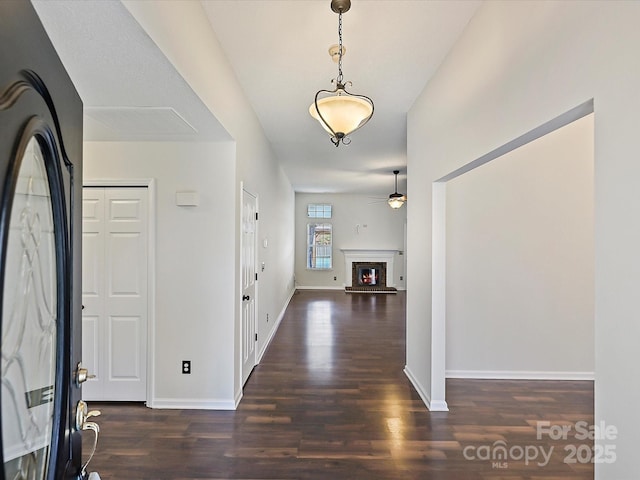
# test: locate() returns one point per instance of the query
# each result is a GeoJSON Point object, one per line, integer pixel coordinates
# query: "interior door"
{"type": "Point", "coordinates": [249, 277]}
{"type": "Point", "coordinates": [114, 292]}
{"type": "Point", "coordinates": [40, 165]}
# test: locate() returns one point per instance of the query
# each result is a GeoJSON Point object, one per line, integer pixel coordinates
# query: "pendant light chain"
{"type": "Point", "coordinates": [339, 79]}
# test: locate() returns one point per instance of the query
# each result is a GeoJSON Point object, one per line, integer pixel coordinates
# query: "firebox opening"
{"type": "Point", "coordinates": [368, 276]}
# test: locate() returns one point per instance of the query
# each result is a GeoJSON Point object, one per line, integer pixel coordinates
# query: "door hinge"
{"type": "Point", "coordinates": [256, 337]}
{"type": "Point", "coordinates": [256, 277]}
{"type": "Point", "coordinates": [256, 215]}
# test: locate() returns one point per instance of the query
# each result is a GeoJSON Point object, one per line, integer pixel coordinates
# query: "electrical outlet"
{"type": "Point", "coordinates": [335, 278]}
{"type": "Point", "coordinates": [401, 278]}
{"type": "Point", "coordinates": [186, 367]}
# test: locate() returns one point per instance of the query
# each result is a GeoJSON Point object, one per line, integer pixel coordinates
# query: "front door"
{"type": "Point", "coordinates": [40, 270]}
{"type": "Point", "coordinates": [249, 277]}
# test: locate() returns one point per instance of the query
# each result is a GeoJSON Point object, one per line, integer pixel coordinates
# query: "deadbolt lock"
{"type": "Point", "coordinates": [82, 375]}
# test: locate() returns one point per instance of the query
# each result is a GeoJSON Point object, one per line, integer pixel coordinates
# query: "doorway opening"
{"type": "Point", "coordinates": [440, 243]}
{"type": "Point", "coordinates": [520, 262]}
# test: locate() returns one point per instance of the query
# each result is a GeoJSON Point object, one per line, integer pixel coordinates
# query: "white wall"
{"type": "Point", "coordinates": [520, 262]}
{"type": "Point", "coordinates": [276, 225]}
{"type": "Point", "coordinates": [194, 308]}
{"type": "Point", "coordinates": [517, 66]}
{"type": "Point", "coordinates": [359, 222]}
{"type": "Point", "coordinates": [183, 33]}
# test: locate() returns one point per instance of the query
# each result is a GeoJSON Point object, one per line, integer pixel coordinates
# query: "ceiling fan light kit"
{"type": "Point", "coordinates": [396, 200]}
{"type": "Point", "coordinates": [339, 111]}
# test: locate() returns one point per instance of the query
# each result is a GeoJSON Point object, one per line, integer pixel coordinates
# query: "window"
{"type": "Point", "coordinates": [319, 210]}
{"type": "Point", "coordinates": [319, 238]}
{"type": "Point", "coordinates": [319, 249]}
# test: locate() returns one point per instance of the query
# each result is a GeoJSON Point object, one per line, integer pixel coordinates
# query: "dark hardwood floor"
{"type": "Point", "coordinates": [330, 401]}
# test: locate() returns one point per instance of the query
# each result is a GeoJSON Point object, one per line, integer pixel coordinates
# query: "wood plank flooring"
{"type": "Point", "coordinates": [330, 401]}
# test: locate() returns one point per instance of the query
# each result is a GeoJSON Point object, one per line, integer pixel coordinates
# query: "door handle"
{"type": "Point", "coordinates": [246, 297]}
{"type": "Point", "coordinates": [82, 415]}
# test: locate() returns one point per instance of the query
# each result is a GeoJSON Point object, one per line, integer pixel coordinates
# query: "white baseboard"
{"type": "Point", "coordinates": [438, 406]}
{"type": "Point", "coordinates": [192, 404]}
{"type": "Point", "coordinates": [273, 331]}
{"type": "Point", "coordinates": [432, 405]}
{"type": "Point", "coordinates": [315, 287]}
{"type": "Point", "coordinates": [519, 375]}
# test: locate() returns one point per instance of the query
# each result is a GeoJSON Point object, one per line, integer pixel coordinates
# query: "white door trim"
{"type": "Point", "coordinates": [150, 185]}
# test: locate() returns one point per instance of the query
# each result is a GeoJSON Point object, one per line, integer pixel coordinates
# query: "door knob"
{"type": "Point", "coordinates": [246, 297]}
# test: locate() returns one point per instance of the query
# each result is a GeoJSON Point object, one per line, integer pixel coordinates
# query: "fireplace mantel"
{"type": "Point", "coordinates": [368, 255]}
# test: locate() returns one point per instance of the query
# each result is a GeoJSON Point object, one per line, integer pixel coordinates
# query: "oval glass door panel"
{"type": "Point", "coordinates": [29, 324]}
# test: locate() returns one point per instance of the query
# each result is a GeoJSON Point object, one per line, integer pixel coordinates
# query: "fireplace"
{"type": "Point", "coordinates": [369, 274]}
{"type": "Point", "coordinates": [371, 270]}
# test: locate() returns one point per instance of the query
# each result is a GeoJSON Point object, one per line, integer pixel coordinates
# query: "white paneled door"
{"type": "Point", "coordinates": [249, 277]}
{"type": "Point", "coordinates": [114, 292]}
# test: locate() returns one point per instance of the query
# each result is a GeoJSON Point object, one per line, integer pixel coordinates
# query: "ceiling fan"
{"type": "Point", "coordinates": [395, 200]}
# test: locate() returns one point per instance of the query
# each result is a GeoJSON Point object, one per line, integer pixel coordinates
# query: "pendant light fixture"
{"type": "Point", "coordinates": [396, 200]}
{"type": "Point", "coordinates": [341, 112]}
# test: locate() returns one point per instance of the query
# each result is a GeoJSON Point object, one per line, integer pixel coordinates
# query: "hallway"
{"type": "Point", "coordinates": [329, 401]}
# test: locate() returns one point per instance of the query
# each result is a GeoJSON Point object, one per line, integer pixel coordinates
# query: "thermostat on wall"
{"type": "Point", "coordinates": [187, 199]}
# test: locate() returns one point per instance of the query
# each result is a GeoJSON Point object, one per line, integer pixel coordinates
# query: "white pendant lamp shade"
{"type": "Point", "coordinates": [396, 201]}
{"type": "Point", "coordinates": [343, 114]}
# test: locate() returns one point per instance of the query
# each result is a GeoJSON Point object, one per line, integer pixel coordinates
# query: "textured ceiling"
{"type": "Point", "coordinates": [118, 70]}
{"type": "Point", "coordinates": [278, 49]}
